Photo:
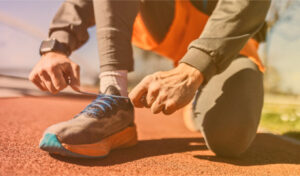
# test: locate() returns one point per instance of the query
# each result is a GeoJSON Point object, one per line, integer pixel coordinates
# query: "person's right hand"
{"type": "Point", "coordinates": [54, 72]}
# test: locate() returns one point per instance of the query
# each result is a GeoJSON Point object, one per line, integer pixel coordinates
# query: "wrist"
{"type": "Point", "coordinates": [195, 76]}
{"type": "Point", "coordinates": [53, 54]}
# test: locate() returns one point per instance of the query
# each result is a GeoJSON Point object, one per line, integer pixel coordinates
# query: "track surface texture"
{"type": "Point", "coordinates": [165, 146]}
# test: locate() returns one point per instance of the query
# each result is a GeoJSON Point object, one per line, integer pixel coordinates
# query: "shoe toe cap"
{"type": "Point", "coordinates": [50, 143]}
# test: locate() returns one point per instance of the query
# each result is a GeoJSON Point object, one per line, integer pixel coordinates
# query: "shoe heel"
{"type": "Point", "coordinates": [125, 138]}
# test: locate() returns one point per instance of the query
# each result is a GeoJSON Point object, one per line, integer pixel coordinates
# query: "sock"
{"type": "Point", "coordinates": [117, 78]}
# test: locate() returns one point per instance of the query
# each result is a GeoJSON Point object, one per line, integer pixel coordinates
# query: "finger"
{"type": "Point", "coordinates": [45, 78]}
{"type": "Point", "coordinates": [139, 97]}
{"type": "Point", "coordinates": [157, 106]}
{"type": "Point", "coordinates": [138, 92]}
{"type": "Point", "coordinates": [72, 75]}
{"type": "Point", "coordinates": [58, 79]}
{"type": "Point", "coordinates": [75, 77]}
{"type": "Point", "coordinates": [170, 107]}
{"type": "Point", "coordinates": [43, 85]}
{"type": "Point", "coordinates": [34, 78]}
{"type": "Point", "coordinates": [152, 94]}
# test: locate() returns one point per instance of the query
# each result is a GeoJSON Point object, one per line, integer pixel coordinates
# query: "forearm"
{"type": "Point", "coordinates": [70, 24]}
{"type": "Point", "coordinates": [114, 30]}
{"type": "Point", "coordinates": [226, 32]}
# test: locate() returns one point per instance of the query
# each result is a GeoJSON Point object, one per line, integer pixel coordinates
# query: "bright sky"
{"type": "Point", "coordinates": [18, 49]}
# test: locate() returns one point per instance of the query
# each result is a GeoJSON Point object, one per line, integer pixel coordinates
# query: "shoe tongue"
{"type": "Point", "coordinates": [112, 90]}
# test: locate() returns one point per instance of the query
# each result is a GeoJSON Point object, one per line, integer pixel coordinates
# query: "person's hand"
{"type": "Point", "coordinates": [54, 72]}
{"type": "Point", "coordinates": [167, 91]}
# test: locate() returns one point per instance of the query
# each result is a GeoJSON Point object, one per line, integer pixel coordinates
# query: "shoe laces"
{"type": "Point", "coordinates": [105, 105]}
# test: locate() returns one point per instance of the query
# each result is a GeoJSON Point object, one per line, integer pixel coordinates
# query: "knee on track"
{"type": "Point", "coordinates": [231, 143]}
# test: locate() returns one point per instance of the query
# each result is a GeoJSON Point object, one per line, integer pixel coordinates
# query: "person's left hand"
{"type": "Point", "coordinates": [167, 91]}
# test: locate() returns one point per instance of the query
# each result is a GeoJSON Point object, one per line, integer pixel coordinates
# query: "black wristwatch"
{"type": "Point", "coordinates": [55, 46]}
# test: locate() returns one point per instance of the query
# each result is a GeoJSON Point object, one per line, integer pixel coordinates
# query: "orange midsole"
{"type": "Point", "coordinates": [122, 139]}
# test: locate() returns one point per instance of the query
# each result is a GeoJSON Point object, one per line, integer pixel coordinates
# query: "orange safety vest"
{"type": "Point", "coordinates": [187, 26]}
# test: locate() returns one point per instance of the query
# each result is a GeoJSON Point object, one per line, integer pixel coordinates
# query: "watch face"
{"type": "Point", "coordinates": [47, 46]}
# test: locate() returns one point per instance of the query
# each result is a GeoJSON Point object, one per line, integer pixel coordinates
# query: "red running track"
{"type": "Point", "coordinates": [165, 146]}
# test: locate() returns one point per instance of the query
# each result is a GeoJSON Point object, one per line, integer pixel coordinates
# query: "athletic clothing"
{"type": "Point", "coordinates": [188, 23]}
{"type": "Point", "coordinates": [227, 30]}
{"type": "Point", "coordinates": [227, 109]}
{"type": "Point", "coordinates": [228, 105]}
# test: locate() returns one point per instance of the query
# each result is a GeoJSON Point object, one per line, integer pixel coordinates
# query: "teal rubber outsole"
{"type": "Point", "coordinates": [51, 144]}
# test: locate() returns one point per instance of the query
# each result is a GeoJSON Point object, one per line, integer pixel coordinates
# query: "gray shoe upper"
{"type": "Point", "coordinates": [99, 120]}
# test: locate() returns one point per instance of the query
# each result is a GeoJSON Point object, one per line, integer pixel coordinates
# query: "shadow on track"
{"type": "Point", "coordinates": [293, 134]}
{"type": "Point", "coordinates": [144, 149]}
{"type": "Point", "coordinates": [265, 149]}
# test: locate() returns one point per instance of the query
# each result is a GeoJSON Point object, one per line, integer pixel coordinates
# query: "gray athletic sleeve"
{"type": "Point", "coordinates": [228, 29]}
{"type": "Point", "coordinates": [71, 22]}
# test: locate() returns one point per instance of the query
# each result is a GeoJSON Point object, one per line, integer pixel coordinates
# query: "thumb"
{"type": "Point", "coordinates": [75, 77]}
{"type": "Point", "coordinates": [72, 76]}
{"type": "Point", "coordinates": [75, 87]}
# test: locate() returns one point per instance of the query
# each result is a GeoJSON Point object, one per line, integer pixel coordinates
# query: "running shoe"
{"type": "Point", "coordinates": [105, 124]}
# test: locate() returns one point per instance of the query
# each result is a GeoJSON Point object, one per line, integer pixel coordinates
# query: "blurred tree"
{"type": "Point", "coordinates": [272, 77]}
{"type": "Point", "coordinates": [272, 80]}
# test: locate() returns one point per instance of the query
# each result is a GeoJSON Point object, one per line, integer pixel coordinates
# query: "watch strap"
{"type": "Point", "coordinates": [53, 45]}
